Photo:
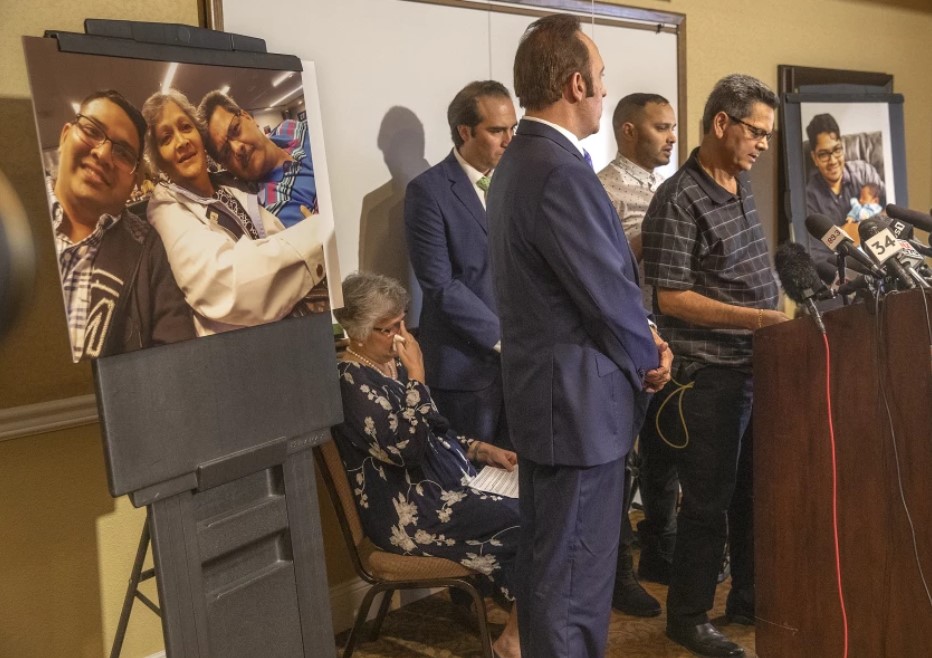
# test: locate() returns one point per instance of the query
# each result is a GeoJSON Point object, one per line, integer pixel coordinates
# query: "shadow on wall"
{"type": "Point", "coordinates": [382, 246]}
{"type": "Point", "coordinates": [35, 355]}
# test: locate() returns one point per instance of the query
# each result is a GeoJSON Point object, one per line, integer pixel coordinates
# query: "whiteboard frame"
{"type": "Point", "coordinates": [210, 14]}
{"type": "Point", "coordinates": [412, 133]}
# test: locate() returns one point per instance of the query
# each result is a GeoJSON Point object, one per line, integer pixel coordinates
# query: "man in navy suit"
{"type": "Point", "coordinates": [448, 245]}
{"type": "Point", "coordinates": [579, 357]}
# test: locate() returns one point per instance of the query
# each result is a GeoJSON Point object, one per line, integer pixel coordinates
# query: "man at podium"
{"type": "Point", "coordinates": [706, 255]}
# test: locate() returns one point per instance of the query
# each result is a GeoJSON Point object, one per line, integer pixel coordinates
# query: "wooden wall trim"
{"type": "Point", "coordinates": [43, 417]}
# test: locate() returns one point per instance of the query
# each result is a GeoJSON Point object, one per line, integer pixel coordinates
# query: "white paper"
{"type": "Point", "coordinates": [497, 481]}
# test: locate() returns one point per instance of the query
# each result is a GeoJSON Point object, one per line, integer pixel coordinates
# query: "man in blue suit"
{"type": "Point", "coordinates": [579, 357]}
{"type": "Point", "coordinates": [448, 245]}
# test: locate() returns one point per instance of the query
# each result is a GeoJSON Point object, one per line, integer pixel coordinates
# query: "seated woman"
{"type": "Point", "coordinates": [235, 262]}
{"type": "Point", "coordinates": [408, 468]}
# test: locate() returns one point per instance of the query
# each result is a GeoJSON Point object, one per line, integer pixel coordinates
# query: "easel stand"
{"type": "Point", "coordinates": [133, 592]}
{"type": "Point", "coordinates": [214, 436]}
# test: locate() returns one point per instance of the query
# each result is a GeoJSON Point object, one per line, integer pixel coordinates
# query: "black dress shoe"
{"type": "Point", "coordinates": [744, 616]}
{"type": "Point", "coordinates": [632, 599]}
{"type": "Point", "coordinates": [704, 640]}
{"type": "Point", "coordinates": [739, 608]}
{"type": "Point", "coordinates": [628, 596]}
{"type": "Point", "coordinates": [654, 568]}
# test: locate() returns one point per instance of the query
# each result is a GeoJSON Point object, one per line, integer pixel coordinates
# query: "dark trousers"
{"type": "Point", "coordinates": [570, 518]}
{"type": "Point", "coordinates": [658, 484]}
{"type": "Point", "coordinates": [710, 446]}
{"type": "Point", "coordinates": [626, 534]}
{"type": "Point", "coordinates": [477, 414]}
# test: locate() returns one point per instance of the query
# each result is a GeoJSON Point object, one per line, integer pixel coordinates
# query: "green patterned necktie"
{"type": "Point", "coordinates": [483, 184]}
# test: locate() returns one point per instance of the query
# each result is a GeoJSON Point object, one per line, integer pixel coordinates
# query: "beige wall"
{"type": "Point", "coordinates": [66, 550]}
{"type": "Point", "coordinates": [753, 37]}
{"type": "Point", "coordinates": [65, 546]}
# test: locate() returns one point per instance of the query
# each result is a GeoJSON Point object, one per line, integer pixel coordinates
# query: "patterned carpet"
{"type": "Point", "coordinates": [436, 628]}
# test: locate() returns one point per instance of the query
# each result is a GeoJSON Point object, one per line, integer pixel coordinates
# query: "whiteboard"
{"type": "Point", "coordinates": [388, 69]}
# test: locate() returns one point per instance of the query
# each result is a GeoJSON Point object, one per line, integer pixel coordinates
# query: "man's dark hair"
{"type": "Point", "coordinates": [209, 104]}
{"type": "Point", "coordinates": [464, 108]}
{"type": "Point", "coordinates": [550, 51]}
{"type": "Point", "coordinates": [736, 95]}
{"type": "Point", "coordinates": [631, 105]}
{"type": "Point", "coordinates": [821, 123]}
{"type": "Point", "coordinates": [120, 101]}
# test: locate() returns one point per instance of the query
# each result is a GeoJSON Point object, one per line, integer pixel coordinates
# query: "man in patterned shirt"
{"type": "Point", "coordinates": [645, 130]}
{"type": "Point", "coordinates": [280, 162]}
{"type": "Point", "coordinates": [707, 257]}
{"type": "Point", "coordinates": [119, 291]}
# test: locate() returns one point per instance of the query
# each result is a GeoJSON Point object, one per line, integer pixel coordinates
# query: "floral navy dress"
{"type": "Point", "coordinates": [409, 474]}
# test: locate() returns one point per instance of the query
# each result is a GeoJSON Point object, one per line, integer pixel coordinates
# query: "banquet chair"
{"type": "Point", "coordinates": [386, 572]}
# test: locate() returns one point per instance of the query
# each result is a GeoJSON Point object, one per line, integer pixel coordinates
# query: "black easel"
{"type": "Point", "coordinates": [213, 435]}
{"type": "Point", "coordinates": [137, 576]}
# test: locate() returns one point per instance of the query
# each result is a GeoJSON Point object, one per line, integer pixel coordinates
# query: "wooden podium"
{"type": "Point", "coordinates": [872, 351]}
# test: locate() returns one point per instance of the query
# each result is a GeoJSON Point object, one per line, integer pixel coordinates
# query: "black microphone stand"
{"type": "Point", "coordinates": [841, 265]}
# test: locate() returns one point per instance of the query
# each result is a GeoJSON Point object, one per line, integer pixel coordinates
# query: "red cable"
{"type": "Point", "coordinates": [831, 436]}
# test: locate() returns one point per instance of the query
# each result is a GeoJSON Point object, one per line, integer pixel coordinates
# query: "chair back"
{"type": "Point", "coordinates": [385, 571]}
{"type": "Point", "coordinates": [341, 495]}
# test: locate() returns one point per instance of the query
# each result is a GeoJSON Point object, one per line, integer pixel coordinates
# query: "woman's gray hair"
{"type": "Point", "coordinates": [152, 110]}
{"type": "Point", "coordinates": [368, 298]}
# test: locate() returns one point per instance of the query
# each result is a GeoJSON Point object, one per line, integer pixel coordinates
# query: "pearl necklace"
{"type": "Point", "coordinates": [390, 366]}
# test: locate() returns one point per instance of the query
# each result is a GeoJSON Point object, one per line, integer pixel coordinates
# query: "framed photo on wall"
{"type": "Point", "coordinates": [844, 157]}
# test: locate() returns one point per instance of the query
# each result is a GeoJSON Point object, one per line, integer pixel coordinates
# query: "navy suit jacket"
{"type": "Point", "coordinates": [575, 339]}
{"type": "Point", "coordinates": [448, 245]}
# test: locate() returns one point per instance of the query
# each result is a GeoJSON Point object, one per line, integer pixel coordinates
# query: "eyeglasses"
{"type": "Point", "coordinates": [824, 156]}
{"type": "Point", "coordinates": [92, 133]}
{"type": "Point", "coordinates": [756, 133]}
{"type": "Point", "coordinates": [391, 330]}
{"type": "Point", "coordinates": [226, 151]}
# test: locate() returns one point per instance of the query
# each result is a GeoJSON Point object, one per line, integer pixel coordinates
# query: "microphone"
{"type": "Point", "coordinates": [852, 265]}
{"type": "Point", "coordinates": [900, 229]}
{"type": "Point", "coordinates": [858, 283]}
{"type": "Point", "coordinates": [823, 228]}
{"type": "Point", "coordinates": [918, 246]}
{"type": "Point", "coordinates": [904, 231]}
{"type": "Point", "coordinates": [913, 217]}
{"type": "Point", "coordinates": [894, 255]}
{"type": "Point", "coordinates": [909, 252]}
{"type": "Point", "coordinates": [800, 280]}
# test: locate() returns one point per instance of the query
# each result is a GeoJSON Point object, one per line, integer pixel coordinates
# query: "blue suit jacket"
{"type": "Point", "coordinates": [448, 245]}
{"type": "Point", "coordinates": [576, 343]}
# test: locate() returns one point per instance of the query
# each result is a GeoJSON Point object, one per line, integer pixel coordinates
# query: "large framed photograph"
{"type": "Point", "coordinates": [185, 198]}
{"type": "Point", "coordinates": [845, 158]}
